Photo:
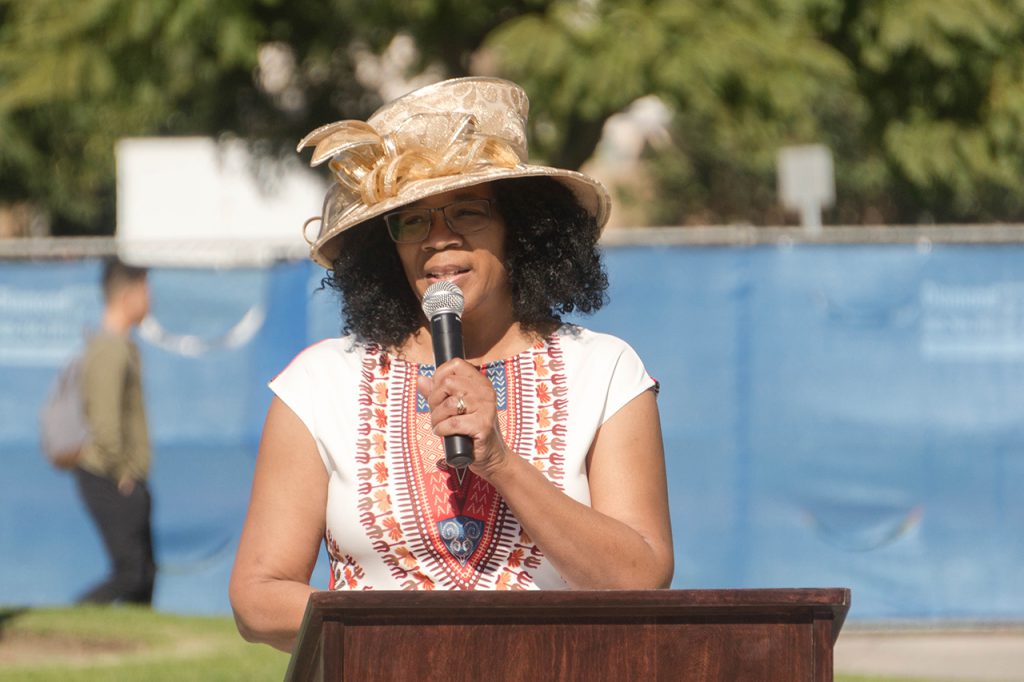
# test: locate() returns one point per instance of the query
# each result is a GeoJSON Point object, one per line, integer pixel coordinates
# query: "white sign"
{"type": "Point", "coordinates": [194, 201]}
{"type": "Point", "coordinates": [807, 182]}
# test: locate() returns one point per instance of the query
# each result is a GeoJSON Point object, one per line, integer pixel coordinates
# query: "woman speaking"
{"type": "Point", "coordinates": [566, 489]}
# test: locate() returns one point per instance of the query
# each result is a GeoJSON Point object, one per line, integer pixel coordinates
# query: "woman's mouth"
{"type": "Point", "coordinates": [449, 274]}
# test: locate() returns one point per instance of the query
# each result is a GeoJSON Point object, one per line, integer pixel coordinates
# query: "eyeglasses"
{"type": "Point", "coordinates": [412, 225]}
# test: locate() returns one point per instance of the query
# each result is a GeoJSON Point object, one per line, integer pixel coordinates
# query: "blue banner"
{"type": "Point", "coordinates": [833, 416]}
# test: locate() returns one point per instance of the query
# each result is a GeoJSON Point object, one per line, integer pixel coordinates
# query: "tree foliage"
{"type": "Point", "coordinates": [922, 101]}
{"type": "Point", "coordinates": [75, 77]}
{"type": "Point", "coordinates": [944, 87]}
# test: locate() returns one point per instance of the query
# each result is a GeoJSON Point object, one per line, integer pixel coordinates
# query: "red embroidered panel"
{"type": "Point", "coordinates": [431, 529]}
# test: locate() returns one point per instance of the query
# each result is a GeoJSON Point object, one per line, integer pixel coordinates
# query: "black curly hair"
{"type": "Point", "coordinates": [551, 254]}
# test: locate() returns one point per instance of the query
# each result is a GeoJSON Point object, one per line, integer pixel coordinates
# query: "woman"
{"type": "Point", "coordinates": [567, 488]}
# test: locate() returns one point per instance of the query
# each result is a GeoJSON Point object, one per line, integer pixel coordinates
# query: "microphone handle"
{"type": "Point", "coordinates": [446, 332]}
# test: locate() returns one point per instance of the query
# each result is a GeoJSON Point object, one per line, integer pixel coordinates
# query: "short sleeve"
{"type": "Point", "coordinates": [296, 388]}
{"type": "Point", "coordinates": [292, 387]}
{"type": "Point", "coordinates": [629, 378]}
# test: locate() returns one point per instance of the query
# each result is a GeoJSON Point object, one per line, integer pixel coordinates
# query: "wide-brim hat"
{"type": "Point", "coordinates": [447, 136]}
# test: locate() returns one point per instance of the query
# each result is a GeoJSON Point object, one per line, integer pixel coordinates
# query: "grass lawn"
{"type": "Point", "coordinates": [129, 644]}
{"type": "Point", "coordinates": [111, 644]}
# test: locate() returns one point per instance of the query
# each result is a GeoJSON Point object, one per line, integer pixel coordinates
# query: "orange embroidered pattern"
{"type": "Point", "coordinates": [430, 529]}
{"type": "Point", "coordinates": [376, 509]}
{"type": "Point", "coordinates": [345, 572]}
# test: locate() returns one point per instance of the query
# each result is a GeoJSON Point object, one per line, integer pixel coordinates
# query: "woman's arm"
{"type": "Point", "coordinates": [624, 539]}
{"type": "Point", "coordinates": [283, 531]}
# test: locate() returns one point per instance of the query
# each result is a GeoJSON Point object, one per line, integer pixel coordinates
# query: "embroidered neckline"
{"type": "Point", "coordinates": [425, 538]}
{"type": "Point", "coordinates": [543, 345]}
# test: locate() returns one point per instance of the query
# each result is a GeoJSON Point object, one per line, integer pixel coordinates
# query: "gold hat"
{"type": "Point", "coordinates": [446, 136]}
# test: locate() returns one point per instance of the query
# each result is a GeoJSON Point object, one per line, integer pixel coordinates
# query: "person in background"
{"type": "Point", "coordinates": [114, 465]}
{"type": "Point", "coordinates": [567, 489]}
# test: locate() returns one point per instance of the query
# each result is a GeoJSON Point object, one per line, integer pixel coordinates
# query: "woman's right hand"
{"type": "Point", "coordinates": [462, 402]}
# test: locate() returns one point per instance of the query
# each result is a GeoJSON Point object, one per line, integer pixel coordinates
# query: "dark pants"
{"type": "Point", "coordinates": [123, 522]}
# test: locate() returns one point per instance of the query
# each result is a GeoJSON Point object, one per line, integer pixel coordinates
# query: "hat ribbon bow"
{"type": "Point", "coordinates": [374, 167]}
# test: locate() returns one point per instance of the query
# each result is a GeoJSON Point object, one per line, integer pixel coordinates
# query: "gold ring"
{"type": "Point", "coordinates": [460, 406]}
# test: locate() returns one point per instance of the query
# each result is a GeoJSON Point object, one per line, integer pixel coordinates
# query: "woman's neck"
{"type": "Point", "coordinates": [482, 345]}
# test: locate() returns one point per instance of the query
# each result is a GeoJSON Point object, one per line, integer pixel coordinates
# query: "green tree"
{"type": "Point", "coordinates": [743, 78]}
{"type": "Point", "coordinates": [944, 85]}
{"type": "Point", "coordinates": [921, 100]}
{"type": "Point", "coordinates": [75, 77]}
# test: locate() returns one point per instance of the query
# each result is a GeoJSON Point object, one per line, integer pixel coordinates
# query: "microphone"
{"type": "Point", "coordinates": [442, 304]}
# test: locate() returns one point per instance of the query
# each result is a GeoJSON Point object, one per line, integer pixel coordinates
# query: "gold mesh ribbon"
{"type": "Point", "coordinates": [371, 167]}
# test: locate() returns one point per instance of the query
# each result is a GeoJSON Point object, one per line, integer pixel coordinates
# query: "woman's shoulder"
{"type": "Point", "coordinates": [588, 341]}
{"type": "Point", "coordinates": [331, 355]}
{"type": "Point", "coordinates": [599, 353]}
{"type": "Point", "coordinates": [605, 364]}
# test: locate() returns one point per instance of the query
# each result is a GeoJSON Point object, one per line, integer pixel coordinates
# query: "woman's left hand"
{"type": "Point", "coordinates": [462, 402]}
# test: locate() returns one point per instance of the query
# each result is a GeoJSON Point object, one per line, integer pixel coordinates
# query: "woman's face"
{"type": "Point", "coordinates": [475, 261]}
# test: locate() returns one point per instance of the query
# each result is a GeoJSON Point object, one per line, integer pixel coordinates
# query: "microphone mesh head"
{"type": "Point", "coordinates": [443, 297]}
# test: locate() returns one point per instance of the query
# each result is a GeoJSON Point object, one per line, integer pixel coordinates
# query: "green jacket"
{"type": "Point", "coordinates": [112, 395]}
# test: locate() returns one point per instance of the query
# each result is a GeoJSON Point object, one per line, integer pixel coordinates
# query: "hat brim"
{"type": "Point", "coordinates": [590, 194]}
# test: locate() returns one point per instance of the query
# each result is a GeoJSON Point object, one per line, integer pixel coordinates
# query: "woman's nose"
{"type": "Point", "coordinates": [441, 235]}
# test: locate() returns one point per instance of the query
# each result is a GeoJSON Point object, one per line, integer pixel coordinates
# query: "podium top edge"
{"type": "Point", "coordinates": [832, 598]}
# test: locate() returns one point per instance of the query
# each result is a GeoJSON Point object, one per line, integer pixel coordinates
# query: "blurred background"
{"type": "Point", "coordinates": [816, 248]}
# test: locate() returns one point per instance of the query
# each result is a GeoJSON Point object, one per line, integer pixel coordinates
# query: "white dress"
{"type": "Point", "coordinates": [397, 516]}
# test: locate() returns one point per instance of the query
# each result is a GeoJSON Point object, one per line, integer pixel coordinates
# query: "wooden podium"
{"type": "Point", "coordinates": [734, 635]}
